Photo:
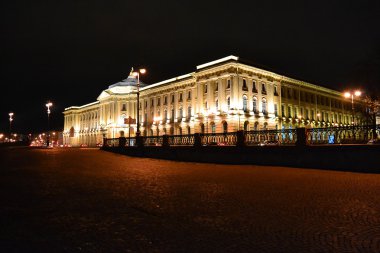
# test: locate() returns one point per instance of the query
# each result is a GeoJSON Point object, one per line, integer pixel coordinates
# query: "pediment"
{"type": "Point", "coordinates": [103, 95]}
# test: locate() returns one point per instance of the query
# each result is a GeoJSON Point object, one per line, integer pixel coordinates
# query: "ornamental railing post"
{"type": "Point", "coordinates": [240, 138]}
{"type": "Point", "coordinates": [301, 136]}
{"type": "Point", "coordinates": [165, 140]}
{"type": "Point", "coordinates": [122, 141]}
{"type": "Point", "coordinates": [139, 141]}
{"type": "Point", "coordinates": [197, 140]}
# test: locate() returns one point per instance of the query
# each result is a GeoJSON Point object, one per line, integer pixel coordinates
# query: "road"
{"type": "Point", "coordinates": [87, 200]}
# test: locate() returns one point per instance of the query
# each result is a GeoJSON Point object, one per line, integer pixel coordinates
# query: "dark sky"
{"type": "Point", "coordinates": [69, 51]}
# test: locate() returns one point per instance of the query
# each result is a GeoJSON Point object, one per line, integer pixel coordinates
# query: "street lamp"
{"type": "Point", "coordinates": [10, 123]}
{"type": "Point", "coordinates": [48, 105]}
{"type": "Point", "coordinates": [348, 94]}
{"type": "Point", "coordinates": [137, 74]}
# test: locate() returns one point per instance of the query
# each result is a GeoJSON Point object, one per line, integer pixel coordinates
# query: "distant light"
{"type": "Point", "coordinates": [358, 93]}
{"type": "Point", "coordinates": [49, 104]}
{"type": "Point", "coordinates": [142, 71]}
{"type": "Point", "coordinates": [347, 94]}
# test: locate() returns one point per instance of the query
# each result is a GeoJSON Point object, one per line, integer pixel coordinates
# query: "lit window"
{"type": "Point", "coordinates": [245, 103]}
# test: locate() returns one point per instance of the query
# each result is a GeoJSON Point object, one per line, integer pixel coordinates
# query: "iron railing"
{"type": "Point", "coordinates": [181, 140]}
{"type": "Point", "coordinates": [130, 142]}
{"type": "Point", "coordinates": [278, 137]}
{"type": "Point", "coordinates": [152, 140]}
{"type": "Point", "coordinates": [340, 135]}
{"type": "Point", "coordinates": [112, 142]}
{"type": "Point", "coordinates": [219, 139]}
{"type": "Point", "coordinates": [314, 136]}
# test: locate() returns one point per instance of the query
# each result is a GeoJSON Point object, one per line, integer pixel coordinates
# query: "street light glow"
{"type": "Point", "coordinates": [347, 94]}
{"type": "Point", "coordinates": [142, 71]}
{"type": "Point", "coordinates": [358, 93]}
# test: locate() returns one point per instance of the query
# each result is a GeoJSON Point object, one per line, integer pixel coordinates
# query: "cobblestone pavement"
{"type": "Point", "coordinates": [87, 200]}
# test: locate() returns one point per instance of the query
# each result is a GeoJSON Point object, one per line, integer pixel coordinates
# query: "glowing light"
{"type": "Point", "coordinates": [231, 57]}
{"type": "Point", "coordinates": [142, 71]}
{"type": "Point", "coordinates": [347, 94]}
{"type": "Point", "coordinates": [358, 93]}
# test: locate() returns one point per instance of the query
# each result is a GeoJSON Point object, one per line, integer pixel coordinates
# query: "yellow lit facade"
{"type": "Point", "coordinates": [225, 95]}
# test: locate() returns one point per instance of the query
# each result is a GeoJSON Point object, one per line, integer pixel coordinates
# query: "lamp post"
{"type": "Point", "coordinates": [348, 94]}
{"type": "Point", "coordinates": [48, 105]}
{"type": "Point", "coordinates": [137, 74]}
{"type": "Point", "coordinates": [10, 124]}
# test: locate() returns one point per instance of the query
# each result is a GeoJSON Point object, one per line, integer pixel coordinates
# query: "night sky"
{"type": "Point", "coordinates": [69, 51]}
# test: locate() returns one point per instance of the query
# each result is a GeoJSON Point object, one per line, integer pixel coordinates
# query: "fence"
{"type": "Point", "coordinates": [181, 140]}
{"type": "Point", "coordinates": [271, 137]}
{"type": "Point", "coordinates": [341, 135]}
{"type": "Point", "coordinates": [299, 136]}
{"type": "Point", "coordinates": [219, 139]}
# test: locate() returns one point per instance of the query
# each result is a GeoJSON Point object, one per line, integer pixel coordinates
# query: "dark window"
{"type": "Point", "coordinates": [244, 88]}
{"type": "Point", "coordinates": [263, 89]}
{"type": "Point", "coordinates": [254, 88]}
{"type": "Point", "coordinates": [275, 91]}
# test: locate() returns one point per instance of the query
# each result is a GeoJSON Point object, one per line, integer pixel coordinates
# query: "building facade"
{"type": "Point", "coordinates": [225, 95]}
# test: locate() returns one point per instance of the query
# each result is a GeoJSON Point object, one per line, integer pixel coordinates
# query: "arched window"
{"type": "Point", "coordinates": [180, 112]}
{"type": "Point", "coordinates": [255, 126]}
{"type": "Point", "coordinates": [72, 132]}
{"type": "Point", "coordinates": [165, 115]}
{"type": "Point", "coordinates": [188, 112]}
{"type": "Point", "coordinates": [245, 103]}
{"type": "Point", "coordinates": [216, 104]}
{"type": "Point", "coordinates": [171, 131]}
{"type": "Point", "coordinates": [264, 106]}
{"type": "Point", "coordinates": [265, 125]}
{"type": "Point", "coordinates": [213, 128]}
{"type": "Point", "coordinates": [225, 127]}
{"type": "Point", "coordinates": [188, 130]}
{"type": "Point", "coordinates": [254, 88]}
{"type": "Point", "coordinates": [228, 103]}
{"type": "Point", "coordinates": [172, 117]}
{"type": "Point", "coordinates": [180, 130]}
{"type": "Point", "coordinates": [245, 87]}
{"type": "Point", "coordinates": [263, 89]}
{"type": "Point", "coordinates": [254, 104]}
{"type": "Point", "coordinates": [246, 126]}
{"type": "Point", "coordinates": [202, 126]}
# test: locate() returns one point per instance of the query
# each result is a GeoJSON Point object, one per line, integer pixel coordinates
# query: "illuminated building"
{"type": "Point", "coordinates": [220, 96]}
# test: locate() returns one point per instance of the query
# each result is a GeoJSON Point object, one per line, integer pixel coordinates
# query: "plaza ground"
{"type": "Point", "coordinates": [87, 200]}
